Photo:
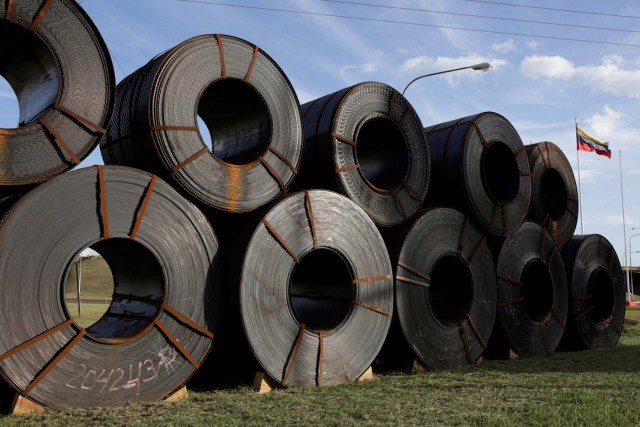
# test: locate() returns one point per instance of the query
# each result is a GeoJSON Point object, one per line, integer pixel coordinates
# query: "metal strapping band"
{"type": "Point", "coordinates": [320, 357]}
{"type": "Point", "coordinates": [35, 339]}
{"type": "Point", "coordinates": [279, 239]}
{"type": "Point", "coordinates": [372, 308]}
{"type": "Point", "coordinates": [136, 298]}
{"type": "Point", "coordinates": [398, 203]}
{"type": "Point", "coordinates": [413, 270]}
{"type": "Point", "coordinates": [476, 333]}
{"type": "Point", "coordinates": [571, 211]}
{"type": "Point", "coordinates": [56, 136]}
{"type": "Point", "coordinates": [38, 19]}
{"type": "Point", "coordinates": [510, 280]}
{"type": "Point", "coordinates": [283, 158]}
{"type": "Point", "coordinates": [584, 313]}
{"type": "Point", "coordinates": [544, 160]}
{"type": "Point", "coordinates": [463, 335]}
{"type": "Point", "coordinates": [348, 168]}
{"type": "Point", "coordinates": [573, 199]}
{"type": "Point", "coordinates": [294, 355]}
{"type": "Point", "coordinates": [485, 144]}
{"type": "Point", "coordinates": [115, 141]}
{"type": "Point", "coordinates": [9, 12]}
{"type": "Point", "coordinates": [412, 281]}
{"type": "Point", "coordinates": [463, 235]}
{"type": "Point", "coordinates": [557, 319]}
{"type": "Point", "coordinates": [103, 203]}
{"type": "Point", "coordinates": [52, 363]}
{"type": "Point", "coordinates": [453, 125]}
{"type": "Point", "coordinates": [526, 174]}
{"type": "Point", "coordinates": [392, 101]}
{"type": "Point", "coordinates": [169, 336]}
{"type": "Point", "coordinates": [553, 251]}
{"type": "Point", "coordinates": [519, 151]}
{"type": "Point", "coordinates": [223, 69]}
{"type": "Point", "coordinates": [273, 173]}
{"type": "Point", "coordinates": [372, 279]}
{"type": "Point", "coordinates": [493, 214]}
{"type": "Point", "coordinates": [312, 224]}
{"type": "Point", "coordinates": [96, 127]}
{"type": "Point", "coordinates": [174, 127]}
{"type": "Point", "coordinates": [143, 207]}
{"type": "Point", "coordinates": [404, 116]}
{"type": "Point", "coordinates": [510, 302]}
{"type": "Point", "coordinates": [184, 163]}
{"type": "Point", "coordinates": [413, 193]}
{"type": "Point", "coordinates": [187, 321]}
{"type": "Point", "coordinates": [446, 141]}
{"type": "Point", "coordinates": [476, 249]}
{"type": "Point", "coordinates": [583, 297]}
{"type": "Point", "coordinates": [247, 76]}
{"type": "Point", "coordinates": [342, 139]}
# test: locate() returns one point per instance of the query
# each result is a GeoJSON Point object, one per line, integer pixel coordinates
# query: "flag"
{"type": "Point", "coordinates": [589, 143]}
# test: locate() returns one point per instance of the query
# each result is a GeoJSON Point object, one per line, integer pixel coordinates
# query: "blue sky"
{"type": "Point", "coordinates": [540, 85]}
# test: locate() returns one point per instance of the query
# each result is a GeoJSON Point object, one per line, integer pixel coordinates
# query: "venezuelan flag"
{"type": "Point", "coordinates": [589, 143]}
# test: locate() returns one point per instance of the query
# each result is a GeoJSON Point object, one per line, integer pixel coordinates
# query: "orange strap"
{"type": "Point", "coordinates": [103, 203]}
{"type": "Point", "coordinates": [38, 19]}
{"type": "Point", "coordinates": [256, 49]}
{"type": "Point", "coordinates": [143, 208]}
{"type": "Point", "coordinates": [58, 138]}
{"type": "Point", "coordinates": [312, 224]}
{"type": "Point", "coordinates": [294, 355]}
{"type": "Point", "coordinates": [221, 51]}
{"type": "Point", "coordinates": [280, 240]}
{"type": "Point", "coordinates": [175, 342]}
{"type": "Point", "coordinates": [35, 339]}
{"type": "Point", "coordinates": [187, 321]}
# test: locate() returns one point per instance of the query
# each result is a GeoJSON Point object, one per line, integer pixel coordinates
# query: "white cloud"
{"type": "Point", "coordinates": [551, 67]}
{"type": "Point", "coordinates": [532, 44]}
{"type": "Point", "coordinates": [608, 77]}
{"type": "Point", "coordinates": [605, 124]}
{"type": "Point", "coordinates": [425, 64]}
{"type": "Point", "coordinates": [351, 73]}
{"type": "Point", "coordinates": [504, 47]}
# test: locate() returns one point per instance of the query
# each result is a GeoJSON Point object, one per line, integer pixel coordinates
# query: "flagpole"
{"type": "Point", "coordinates": [624, 231]}
{"type": "Point", "coordinates": [579, 182]}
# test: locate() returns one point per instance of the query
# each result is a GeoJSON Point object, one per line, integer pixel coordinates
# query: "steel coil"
{"type": "Point", "coordinates": [596, 293]}
{"type": "Point", "coordinates": [554, 194]}
{"type": "Point", "coordinates": [366, 142]}
{"type": "Point", "coordinates": [60, 70]}
{"type": "Point", "coordinates": [532, 291]}
{"type": "Point", "coordinates": [316, 290]}
{"type": "Point", "coordinates": [248, 105]}
{"type": "Point", "coordinates": [446, 294]}
{"type": "Point", "coordinates": [479, 167]}
{"type": "Point", "coordinates": [160, 250]}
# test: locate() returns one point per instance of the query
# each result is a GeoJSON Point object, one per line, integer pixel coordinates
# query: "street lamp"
{"type": "Point", "coordinates": [484, 66]}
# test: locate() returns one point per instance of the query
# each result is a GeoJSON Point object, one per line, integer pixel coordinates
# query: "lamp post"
{"type": "Point", "coordinates": [484, 66]}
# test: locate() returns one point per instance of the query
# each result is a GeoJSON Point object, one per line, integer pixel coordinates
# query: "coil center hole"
{"type": "Point", "coordinates": [537, 290]}
{"type": "Point", "coordinates": [30, 69]}
{"type": "Point", "coordinates": [500, 173]}
{"type": "Point", "coordinates": [8, 105]}
{"type": "Point", "coordinates": [382, 153]}
{"type": "Point", "coordinates": [450, 290]}
{"type": "Point", "coordinates": [321, 291]}
{"type": "Point", "coordinates": [554, 194]}
{"type": "Point", "coordinates": [238, 121]}
{"type": "Point", "coordinates": [602, 295]}
{"type": "Point", "coordinates": [132, 274]}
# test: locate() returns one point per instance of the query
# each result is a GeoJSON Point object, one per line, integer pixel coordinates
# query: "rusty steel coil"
{"type": "Point", "coordinates": [554, 194]}
{"type": "Point", "coordinates": [60, 70]}
{"type": "Point", "coordinates": [446, 294]}
{"type": "Point", "coordinates": [532, 291]}
{"type": "Point", "coordinates": [248, 105]}
{"type": "Point", "coordinates": [596, 293]}
{"type": "Point", "coordinates": [316, 290]}
{"type": "Point", "coordinates": [366, 142]}
{"type": "Point", "coordinates": [479, 167]}
{"type": "Point", "coordinates": [156, 331]}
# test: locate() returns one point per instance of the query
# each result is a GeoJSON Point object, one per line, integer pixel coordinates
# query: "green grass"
{"type": "Point", "coordinates": [96, 284]}
{"type": "Point", "coordinates": [585, 388]}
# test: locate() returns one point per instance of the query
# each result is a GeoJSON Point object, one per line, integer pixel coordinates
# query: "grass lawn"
{"type": "Point", "coordinates": [584, 388]}
{"type": "Point", "coordinates": [96, 284]}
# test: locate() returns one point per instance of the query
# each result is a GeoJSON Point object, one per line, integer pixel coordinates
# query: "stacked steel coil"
{"type": "Point", "coordinates": [596, 293]}
{"type": "Point", "coordinates": [480, 168]}
{"type": "Point", "coordinates": [60, 70]}
{"type": "Point", "coordinates": [248, 105]}
{"type": "Point", "coordinates": [156, 331]}
{"type": "Point", "coordinates": [366, 142]}
{"type": "Point", "coordinates": [445, 289]}
{"type": "Point", "coordinates": [554, 194]}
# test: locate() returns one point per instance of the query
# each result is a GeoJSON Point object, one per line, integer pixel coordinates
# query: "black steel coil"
{"type": "Point", "coordinates": [156, 332]}
{"type": "Point", "coordinates": [554, 194]}
{"type": "Point", "coordinates": [60, 70]}
{"type": "Point", "coordinates": [366, 142]}
{"type": "Point", "coordinates": [532, 291]}
{"type": "Point", "coordinates": [446, 294]}
{"type": "Point", "coordinates": [246, 101]}
{"type": "Point", "coordinates": [596, 293]}
{"type": "Point", "coordinates": [316, 290]}
{"type": "Point", "coordinates": [479, 167]}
